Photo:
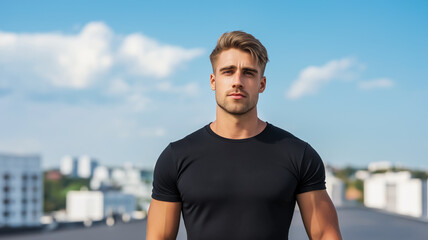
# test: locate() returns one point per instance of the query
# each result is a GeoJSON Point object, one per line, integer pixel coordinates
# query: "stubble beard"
{"type": "Point", "coordinates": [232, 109]}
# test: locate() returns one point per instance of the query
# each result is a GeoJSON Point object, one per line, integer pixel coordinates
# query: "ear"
{"type": "Point", "coordinates": [212, 81]}
{"type": "Point", "coordinates": [262, 84]}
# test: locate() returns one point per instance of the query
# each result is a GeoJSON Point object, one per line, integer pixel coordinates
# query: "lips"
{"type": "Point", "coordinates": [236, 95]}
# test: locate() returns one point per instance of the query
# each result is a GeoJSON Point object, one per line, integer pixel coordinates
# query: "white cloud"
{"type": "Point", "coordinates": [138, 102]}
{"type": "Point", "coordinates": [145, 56]}
{"type": "Point", "coordinates": [153, 132]}
{"type": "Point", "coordinates": [79, 60]}
{"type": "Point", "coordinates": [63, 60]}
{"type": "Point", "coordinates": [190, 89]}
{"type": "Point", "coordinates": [312, 78]}
{"type": "Point", "coordinates": [118, 87]}
{"type": "Point", "coordinates": [376, 83]}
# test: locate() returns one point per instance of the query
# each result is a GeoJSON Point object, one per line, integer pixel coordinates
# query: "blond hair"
{"type": "Point", "coordinates": [242, 41]}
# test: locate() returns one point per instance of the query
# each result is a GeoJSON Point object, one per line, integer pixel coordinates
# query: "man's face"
{"type": "Point", "coordinates": [237, 81]}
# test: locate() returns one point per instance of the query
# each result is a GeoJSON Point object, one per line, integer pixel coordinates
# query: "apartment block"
{"type": "Point", "coordinates": [21, 193]}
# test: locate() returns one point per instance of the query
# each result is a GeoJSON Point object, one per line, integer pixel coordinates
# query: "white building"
{"type": "Point", "coordinates": [378, 166]}
{"type": "Point", "coordinates": [362, 174]}
{"type": "Point", "coordinates": [69, 166]}
{"type": "Point", "coordinates": [96, 205]}
{"type": "Point", "coordinates": [86, 166]}
{"type": "Point", "coordinates": [101, 178]}
{"type": "Point", "coordinates": [21, 191]}
{"type": "Point", "coordinates": [82, 167]}
{"type": "Point", "coordinates": [396, 192]}
{"type": "Point", "coordinates": [129, 179]}
{"type": "Point", "coordinates": [335, 188]}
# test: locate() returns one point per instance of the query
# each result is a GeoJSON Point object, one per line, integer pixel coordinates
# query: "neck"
{"type": "Point", "coordinates": [237, 126]}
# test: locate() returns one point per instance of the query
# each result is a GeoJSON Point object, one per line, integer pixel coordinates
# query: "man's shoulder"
{"type": "Point", "coordinates": [191, 139]}
{"type": "Point", "coordinates": [278, 134]}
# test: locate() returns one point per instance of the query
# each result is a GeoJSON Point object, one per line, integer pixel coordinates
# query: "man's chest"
{"type": "Point", "coordinates": [229, 177]}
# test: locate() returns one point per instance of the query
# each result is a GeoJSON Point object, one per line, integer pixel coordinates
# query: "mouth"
{"type": "Point", "coordinates": [236, 95]}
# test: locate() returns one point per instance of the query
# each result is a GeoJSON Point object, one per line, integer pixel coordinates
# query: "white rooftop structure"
{"type": "Point", "coordinates": [376, 166]}
{"type": "Point", "coordinates": [96, 205]}
{"type": "Point", "coordinates": [335, 188]}
{"type": "Point", "coordinates": [396, 192]}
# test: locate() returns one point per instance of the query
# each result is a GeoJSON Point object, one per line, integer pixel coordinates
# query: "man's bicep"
{"type": "Point", "coordinates": [165, 177]}
{"type": "Point", "coordinates": [311, 172]}
{"type": "Point", "coordinates": [163, 220]}
{"type": "Point", "coordinates": [319, 215]}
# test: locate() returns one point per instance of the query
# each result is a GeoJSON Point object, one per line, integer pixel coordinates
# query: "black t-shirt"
{"type": "Point", "coordinates": [237, 188]}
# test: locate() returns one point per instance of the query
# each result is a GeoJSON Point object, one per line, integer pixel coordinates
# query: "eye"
{"type": "Point", "coordinates": [249, 73]}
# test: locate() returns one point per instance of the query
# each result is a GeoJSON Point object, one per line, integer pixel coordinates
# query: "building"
{"type": "Point", "coordinates": [21, 194]}
{"type": "Point", "coordinates": [379, 166]}
{"type": "Point", "coordinates": [396, 192]}
{"type": "Point", "coordinates": [335, 189]}
{"type": "Point", "coordinates": [80, 167]}
{"type": "Point", "coordinates": [53, 175]}
{"type": "Point", "coordinates": [128, 179]}
{"type": "Point", "coordinates": [69, 166]}
{"type": "Point", "coordinates": [97, 205]}
{"type": "Point", "coordinates": [101, 178]}
{"type": "Point", "coordinates": [86, 166]}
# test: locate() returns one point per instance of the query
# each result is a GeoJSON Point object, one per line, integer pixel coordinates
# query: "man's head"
{"type": "Point", "coordinates": [244, 42]}
{"type": "Point", "coordinates": [238, 64]}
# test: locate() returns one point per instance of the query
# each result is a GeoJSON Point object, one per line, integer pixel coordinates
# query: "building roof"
{"type": "Point", "coordinates": [355, 223]}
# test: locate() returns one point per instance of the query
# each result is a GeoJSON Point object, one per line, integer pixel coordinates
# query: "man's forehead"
{"type": "Point", "coordinates": [235, 57]}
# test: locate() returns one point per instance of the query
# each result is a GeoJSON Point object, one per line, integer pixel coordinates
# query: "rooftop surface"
{"type": "Point", "coordinates": [355, 223]}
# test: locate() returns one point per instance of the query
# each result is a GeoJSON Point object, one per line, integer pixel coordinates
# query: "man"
{"type": "Point", "coordinates": [239, 177]}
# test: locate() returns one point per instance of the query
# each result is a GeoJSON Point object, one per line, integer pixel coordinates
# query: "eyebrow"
{"type": "Point", "coordinates": [234, 67]}
{"type": "Point", "coordinates": [250, 70]}
{"type": "Point", "coordinates": [227, 68]}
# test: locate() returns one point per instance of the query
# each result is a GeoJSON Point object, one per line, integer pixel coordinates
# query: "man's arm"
{"type": "Point", "coordinates": [319, 215]}
{"type": "Point", "coordinates": [163, 220]}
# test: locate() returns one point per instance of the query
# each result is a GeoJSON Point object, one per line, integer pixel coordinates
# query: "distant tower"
{"type": "Point", "coordinates": [69, 166]}
{"type": "Point", "coordinates": [21, 190]}
{"type": "Point", "coordinates": [82, 167]}
{"type": "Point", "coordinates": [86, 166]}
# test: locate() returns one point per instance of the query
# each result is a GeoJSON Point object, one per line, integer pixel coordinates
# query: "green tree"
{"type": "Point", "coordinates": [55, 191]}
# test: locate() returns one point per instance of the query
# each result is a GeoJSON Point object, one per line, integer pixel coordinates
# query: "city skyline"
{"type": "Point", "coordinates": [118, 82]}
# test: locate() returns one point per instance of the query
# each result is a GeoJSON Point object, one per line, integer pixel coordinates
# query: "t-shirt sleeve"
{"type": "Point", "coordinates": [312, 172]}
{"type": "Point", "coordinates": [165, 178]}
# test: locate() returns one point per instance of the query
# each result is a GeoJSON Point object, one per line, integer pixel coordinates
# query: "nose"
{"type": "Point", "coordinates": [237, 80]}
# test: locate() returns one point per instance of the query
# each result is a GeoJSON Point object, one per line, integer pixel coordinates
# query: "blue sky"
{"type": "Point", "coordinates": [119, 81]}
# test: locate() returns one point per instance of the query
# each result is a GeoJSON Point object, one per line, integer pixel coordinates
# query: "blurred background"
{"type": "Point", "coordinates": [91, 92]}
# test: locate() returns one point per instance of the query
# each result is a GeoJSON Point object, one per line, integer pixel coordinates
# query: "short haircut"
{"type": "Point", "coordinates": [242, 41]}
